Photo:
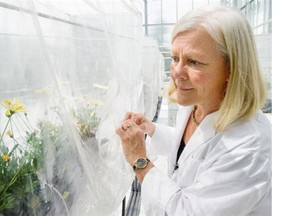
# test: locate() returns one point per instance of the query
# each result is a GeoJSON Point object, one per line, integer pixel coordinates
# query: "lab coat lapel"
{"type": "Point", "coordinates": [203, 133]}
{"type": "Point", "coordinates": [183, 116]}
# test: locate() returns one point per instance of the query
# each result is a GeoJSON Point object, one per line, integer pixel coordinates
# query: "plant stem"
{"type": "Point", "coordinates": [2, 135]}
{"type": "Point", "coordinates": [12, 181]}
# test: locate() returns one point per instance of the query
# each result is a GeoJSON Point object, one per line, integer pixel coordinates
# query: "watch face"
{"type": "Point", "coordinates": [141, 163]}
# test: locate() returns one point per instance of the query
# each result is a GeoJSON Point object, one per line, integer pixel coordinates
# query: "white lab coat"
{"type": "Point", "coordinates": [220, 173]}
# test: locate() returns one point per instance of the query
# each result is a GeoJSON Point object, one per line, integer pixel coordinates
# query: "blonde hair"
{"type": "Point", "coordinates": [245, 93]}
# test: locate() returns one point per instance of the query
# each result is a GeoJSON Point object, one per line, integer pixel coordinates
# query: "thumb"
{"type": "Point", "coordinates": [119, 131]}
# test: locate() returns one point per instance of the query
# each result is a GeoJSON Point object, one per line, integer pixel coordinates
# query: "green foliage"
{"type": "Point", "coordinates": [18, 177]}
{"type": "Point", "coordinates": [22, 155]}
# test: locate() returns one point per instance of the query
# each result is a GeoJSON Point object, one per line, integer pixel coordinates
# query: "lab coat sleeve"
{"type": "Point", "coordinates": [161, 139]}
{"type": "Point", "coordinates": [232, 185]}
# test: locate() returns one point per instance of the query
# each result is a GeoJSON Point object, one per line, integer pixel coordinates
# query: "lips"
{"type": "Point", "coordinates": [182, 88]}
{"type": "Point", "coordinates": [180, 85]}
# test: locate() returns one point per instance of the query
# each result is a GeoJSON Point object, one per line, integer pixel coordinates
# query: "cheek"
{"type": "Point", "coordinates": [217, 86]}
{"type": "Point", "coordinates": [206, 84]}
{"type": "Point", "coordinates": [198, 79]}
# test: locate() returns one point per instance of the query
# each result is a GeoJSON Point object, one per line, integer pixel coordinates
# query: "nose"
{"type": "Point", "coordinates": [178, 70]}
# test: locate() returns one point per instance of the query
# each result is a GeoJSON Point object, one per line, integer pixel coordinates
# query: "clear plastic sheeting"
{"type": "Point", "coordinates": [152, 72]}
{"type": "Point", "coordinates": [69, 72]}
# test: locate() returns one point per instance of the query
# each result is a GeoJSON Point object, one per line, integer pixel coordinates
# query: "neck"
{"type": "Point", "coordinates": [199, 113]}
{"type": "Point", "coordinates": [197, 123]}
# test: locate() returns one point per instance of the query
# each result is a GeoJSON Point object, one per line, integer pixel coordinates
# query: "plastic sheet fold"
{"type": "Point", "coordinates": [69, 72]}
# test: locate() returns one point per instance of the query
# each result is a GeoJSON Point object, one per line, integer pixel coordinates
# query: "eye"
{"type": "Point", "coordinates": [175, 59]}
{"type": "Point", "coordinates": [193, 62]}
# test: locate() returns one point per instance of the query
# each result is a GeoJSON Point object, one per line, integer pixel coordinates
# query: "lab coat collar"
{"type": "Point", "coordinates": [204, 132]}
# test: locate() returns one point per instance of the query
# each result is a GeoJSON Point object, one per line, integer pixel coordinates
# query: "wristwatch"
{"type": "Point", "coordinates": [140, 163]}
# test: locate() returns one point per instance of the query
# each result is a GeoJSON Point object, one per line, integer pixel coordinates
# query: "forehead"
{"type": "Point", "coordinates": [194, 39]}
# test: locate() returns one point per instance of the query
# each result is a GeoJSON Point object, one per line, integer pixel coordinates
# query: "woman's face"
{"type": "Point", "coordinates": [198, 70]}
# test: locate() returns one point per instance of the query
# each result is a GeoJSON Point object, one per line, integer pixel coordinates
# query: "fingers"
{"type": "Point", "coordinates": [132, 140]}
{"type": "Point", "coordinates": [138, 118]}
{"type": "Point", "coordinates": [119, 131]}
{"type": "Point", "coordinates": [125, 127]}
{"type": "Point", "coordinates": [127, 116]}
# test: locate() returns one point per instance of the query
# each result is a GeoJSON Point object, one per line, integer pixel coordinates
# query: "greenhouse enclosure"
{"type": "Point", "coordinates": [70, 70]}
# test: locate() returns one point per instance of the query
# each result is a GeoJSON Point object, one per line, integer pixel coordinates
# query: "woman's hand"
{"type": "Point", "coordinates": [132, 134]}
{"type": "Point", "coordinates": [133, 140]}
{"type": "Point", "coordinates": [145, 124]}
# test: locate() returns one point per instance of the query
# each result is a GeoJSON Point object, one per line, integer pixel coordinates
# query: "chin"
{"type": "Point", "coordinates": [184, 102]}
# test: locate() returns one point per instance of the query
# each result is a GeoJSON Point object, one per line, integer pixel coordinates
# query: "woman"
{"type": "Point", "coordinates": [220, 150]}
